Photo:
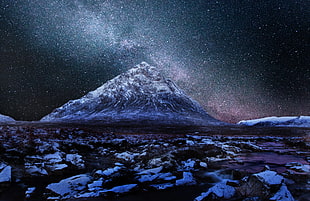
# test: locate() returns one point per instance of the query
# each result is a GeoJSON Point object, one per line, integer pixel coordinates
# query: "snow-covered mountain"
{"type": "Point", "coordinates": [4, 118]}
{"type": "Point", "coordinates": [289, 121]}
{"type": "Point", "coordinates": [139, 95]}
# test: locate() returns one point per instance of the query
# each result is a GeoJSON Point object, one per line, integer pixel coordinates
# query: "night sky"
{"type": "Point", "coordinates": [240, 59]}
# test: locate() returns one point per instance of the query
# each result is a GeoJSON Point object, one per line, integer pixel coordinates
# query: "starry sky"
{"type": "Point", "coordinates": [240, 59]}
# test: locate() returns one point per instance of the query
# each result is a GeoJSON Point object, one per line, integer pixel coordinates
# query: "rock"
{"type": "Point", "coordinates": [108, 172]}
{"type": "Point", "coordinates": [71, 186]}
{"type": "Point", "coordinates": [151, 171]}
{"type": "Point", "coordinates": [269, 177]}
{"type": "Point", "coordinates": [155, 162]}
{"type": "Point", "coordinates": [149, 174]}
{"type": "Point", "coordinates": [88, 195]}
{"type": "Point", "coordinates": [35, 170]}
{"type": "Point", "coordinates": [162, 186]}
{"type": "Point", "coordinates": [218, 191]}
{"type": "Point", "coordinates": [203, 164]}
{"type": "Point", "coordinates": [121, 189]}
{"type": "Point", "coordinates": [159, 176]}
{"type": "Point", "coordinates": [230, 150]}
{"type": "Point", "coordinates": [56, 198]}
{"type": "Point", "coordinates": [188, 165]}
{"type": "Point", "coordinates": [5, 173]}
{"type": "Point", "coordinates": [53, 161]}
{"type": "Point", "coordinates": [187, 179]}
{"type": "Point", "coordinates": [190, 142]}
{"type": "Point", "coordinates": [252, 199]}
{"type": "Point", "coordinates": [282, 195]}
{"type": "Point", "coordinates": [262, 185]}
{"type": "Point", "coordinates": [166, 176]}
{"type": "Point", "coordinates": [29, 191]}
{"type": "Point", "coordinates": [57, 167]}
{"type": "Point", "coordinates": [95, 185]}
{"type": "Point", "coordinates": [126, 156]}
{"type": "Point", "coordinates": [147, 178]}
{"type": "Point", "coordinates": [53, 158]}
{"type": "Point", "coordinates": [168, 162]}
{"type": "Point", "coordinates": [298, 167]}
{"type": "Point", "coordinates": [76, 160]}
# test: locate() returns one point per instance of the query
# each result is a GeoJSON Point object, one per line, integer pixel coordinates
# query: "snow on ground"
{"type": "Point", "coordinates": [289, 121]}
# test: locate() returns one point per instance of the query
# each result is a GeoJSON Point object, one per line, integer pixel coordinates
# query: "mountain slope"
{"type": "Point", "coordinates": [4, 118]}
{"type": "Point", "coordinates": [290, 121]}
{"type": "Point", "coordinates": [141, 94]}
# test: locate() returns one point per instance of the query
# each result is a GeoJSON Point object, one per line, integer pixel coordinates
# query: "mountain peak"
{"type": "Point", "coordinates": [142, 94]}
{"type": "Point", "coordinates": [143, 78]}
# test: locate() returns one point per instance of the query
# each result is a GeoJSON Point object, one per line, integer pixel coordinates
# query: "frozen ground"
{"type": "Point", "coordinates": [76, 162]}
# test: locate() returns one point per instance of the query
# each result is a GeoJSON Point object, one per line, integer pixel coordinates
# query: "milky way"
{"type": "Point", "coordinates": [239, 59]}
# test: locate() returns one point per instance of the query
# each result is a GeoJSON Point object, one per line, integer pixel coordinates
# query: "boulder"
{"type": "Point", "coordinates": [71, 186]}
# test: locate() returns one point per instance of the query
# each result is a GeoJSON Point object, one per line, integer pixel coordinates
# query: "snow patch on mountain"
{"type": "Point", "coordinates": [4, 118]}
{"type": "Point", "coordinates": [288, 121]}
{"type": "Point", "coordinates": [142, 94]}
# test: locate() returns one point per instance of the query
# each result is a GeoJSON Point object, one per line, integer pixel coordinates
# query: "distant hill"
{"type": "Point", "coordinates": [289, 121]}
{"type": "Point", "coordinates": [4, 118]}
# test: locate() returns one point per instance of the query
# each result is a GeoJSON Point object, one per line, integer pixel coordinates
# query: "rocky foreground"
{"type": "Point", "coordinates": [50, 163]}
